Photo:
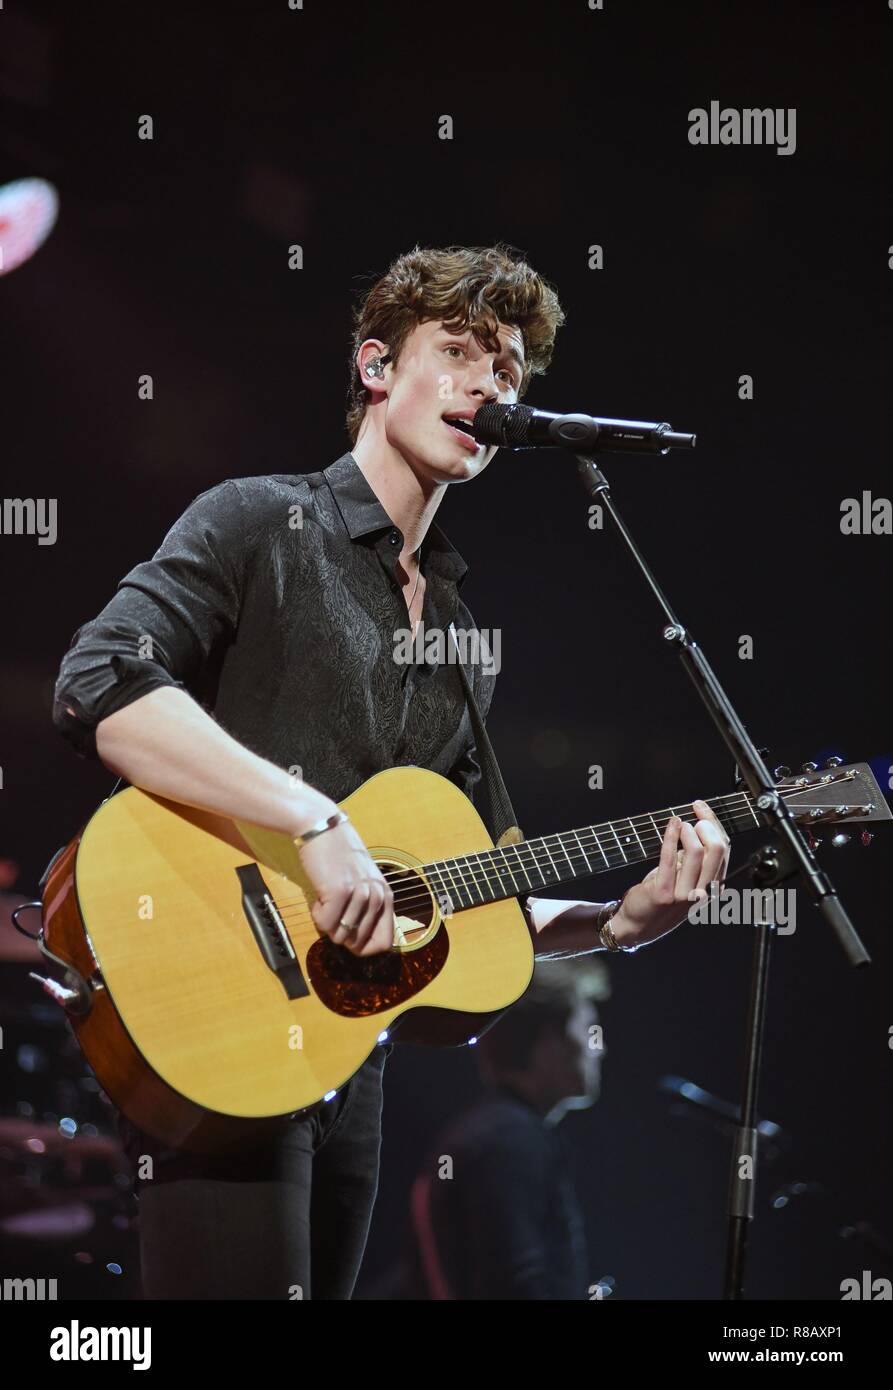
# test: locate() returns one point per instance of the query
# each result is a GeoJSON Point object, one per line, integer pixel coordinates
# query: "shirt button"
{"type": "Point", "coordinates": [394, 538]}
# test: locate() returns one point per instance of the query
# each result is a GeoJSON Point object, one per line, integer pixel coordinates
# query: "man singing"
{"type": "Point", "coordinates": [259, 639]}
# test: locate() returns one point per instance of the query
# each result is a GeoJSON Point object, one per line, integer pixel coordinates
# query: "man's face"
{"type": "Point", "coordinates": [443, 374]}
{"type": "Point", "coordinates": [573, 1059]}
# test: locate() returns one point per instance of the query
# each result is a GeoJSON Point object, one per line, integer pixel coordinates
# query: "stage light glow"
{"type": "Point", "coordinates": [28, 212]}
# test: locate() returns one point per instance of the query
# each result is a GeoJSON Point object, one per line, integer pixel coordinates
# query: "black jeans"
{"type": "Point", "coordinates": [287, 1219]}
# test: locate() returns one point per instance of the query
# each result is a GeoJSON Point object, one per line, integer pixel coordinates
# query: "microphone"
{"type": "Point", "coordinates": [681, 1089]}
{"type": "Point", "coordinates": [524, 427]}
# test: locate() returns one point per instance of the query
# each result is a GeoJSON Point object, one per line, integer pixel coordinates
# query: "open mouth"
{"type": "Point", "coordinates": [459, 422]}
{"type": "Point", "coordinates": [463, 427]}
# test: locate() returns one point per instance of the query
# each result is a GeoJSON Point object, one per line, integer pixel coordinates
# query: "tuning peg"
{"type": "Point", "coordinates": [782, 771]}
{"type": "Point", "coordinates": [834, 762]}
{"type": "Point", "coordinates": [810, 767]}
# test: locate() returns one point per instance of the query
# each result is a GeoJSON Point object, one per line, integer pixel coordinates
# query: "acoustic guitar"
{"type": "Point", "coordinates": [210, 1007]}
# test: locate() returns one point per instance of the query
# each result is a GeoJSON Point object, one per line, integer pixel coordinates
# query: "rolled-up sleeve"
{"type": "Point", "coordinates": [165, 618]}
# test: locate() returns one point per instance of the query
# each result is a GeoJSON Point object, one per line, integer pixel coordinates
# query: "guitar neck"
{"type": "Point", "coordinates": [473, 879]}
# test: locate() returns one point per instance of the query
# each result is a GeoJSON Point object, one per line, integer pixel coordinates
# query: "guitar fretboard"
{"type": "Point", "coordinates": [474, 879]}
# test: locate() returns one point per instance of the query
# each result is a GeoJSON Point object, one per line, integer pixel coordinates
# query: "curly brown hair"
{"type": "Point", "coordinates": [462, 286]}
{"type": "Point", "coordinates": [555, 990]}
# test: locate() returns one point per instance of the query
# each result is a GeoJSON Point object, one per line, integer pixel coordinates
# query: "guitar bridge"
{"type": "Point", "coordinates": [269, 932]}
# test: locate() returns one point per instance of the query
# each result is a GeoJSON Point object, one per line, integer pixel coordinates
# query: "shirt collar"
{"type": "Point", "coordinates": [362, 513]}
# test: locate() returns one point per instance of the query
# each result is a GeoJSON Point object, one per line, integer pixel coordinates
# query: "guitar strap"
{"type": "Point", "coordinates": [504, 826]}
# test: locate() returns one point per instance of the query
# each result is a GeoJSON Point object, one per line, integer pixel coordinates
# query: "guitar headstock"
{"type": "Point", "coordinates": [838, 793]}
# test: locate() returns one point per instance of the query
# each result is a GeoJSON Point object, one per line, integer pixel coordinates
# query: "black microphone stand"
{"type": "Point", "coordinates": [786, 855]}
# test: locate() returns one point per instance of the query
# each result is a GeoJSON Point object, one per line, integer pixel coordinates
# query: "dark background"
{"type": "Point", "coordinates": [319, 127]}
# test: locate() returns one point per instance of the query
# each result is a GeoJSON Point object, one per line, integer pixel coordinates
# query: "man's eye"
{"type": "Point", "coordinates": [453, 347]}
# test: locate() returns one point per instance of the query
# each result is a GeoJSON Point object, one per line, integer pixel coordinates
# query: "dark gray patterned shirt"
{"type": "Point", "coordinates": [273, 601]}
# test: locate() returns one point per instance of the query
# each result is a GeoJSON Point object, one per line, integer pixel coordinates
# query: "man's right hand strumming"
{"type": "Point", "coordinates": [351, 889]}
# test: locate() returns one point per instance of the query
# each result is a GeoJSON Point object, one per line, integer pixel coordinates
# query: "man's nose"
{"type": "Point", "coordinates": [481, 379]}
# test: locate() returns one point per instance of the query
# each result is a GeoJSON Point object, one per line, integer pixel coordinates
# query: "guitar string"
{"type": "Point", "coordinates": [735, 803]}
{"type": "Point", "coordinates": [533, 860]}
{"type": "Point", "coordinates": [526, 853]}
{"type": "Point", "coordinates": [541, 860]}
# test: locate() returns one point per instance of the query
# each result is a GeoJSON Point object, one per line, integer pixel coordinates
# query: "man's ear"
{"type": "Point", "coordinates": [372, 358]}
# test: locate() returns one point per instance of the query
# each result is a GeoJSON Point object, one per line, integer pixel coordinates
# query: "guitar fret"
{"type": "Point", "coordinates": [462, 892]}
{"type": "Point", "coordinates": [551, 860]}
{"type": "Point", "coordinates": [582, 851]}
{"type": "Point", "coordinates": [521, 865]}
{"type": "Point", "coordinates": [567, 856]}
{"type": "Point", "coordinates": [483, 885]}
{"type": "Point", "coordinates": [638, 841]}
{"type": "Point", "coordinates": [444, 873]}
{"type": "Point", "coordinates": [601, 851]}
{"type": "Point", "coordinates": [508, 870]}
{"type": "Point", "coordinates": [617, 838]}
{"type": "Point", "coordinates": [474, 879]}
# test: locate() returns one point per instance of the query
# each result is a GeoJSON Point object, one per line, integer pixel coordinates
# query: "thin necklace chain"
{"type": "Point", "coordinates": [414, 592]}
